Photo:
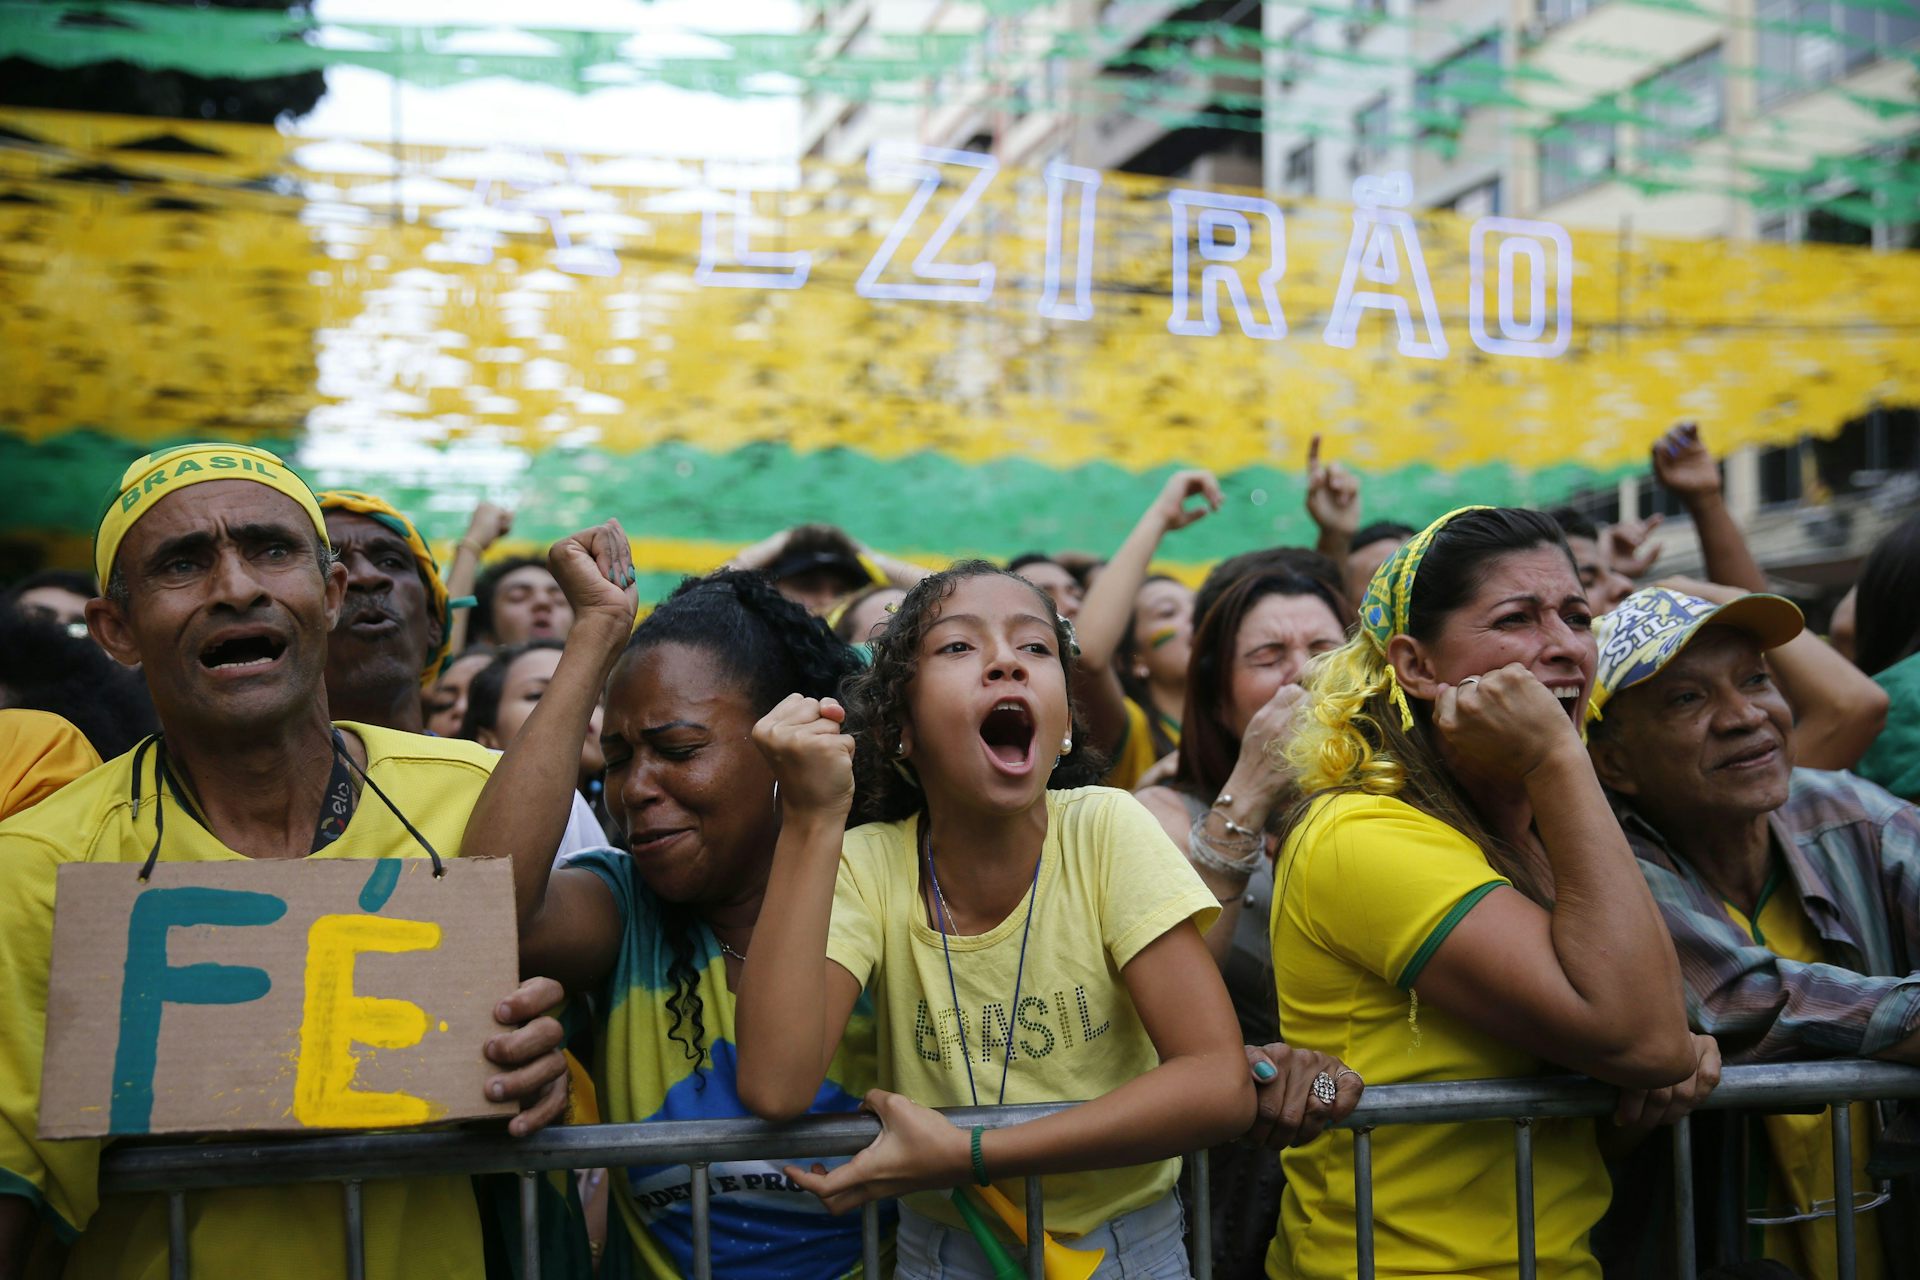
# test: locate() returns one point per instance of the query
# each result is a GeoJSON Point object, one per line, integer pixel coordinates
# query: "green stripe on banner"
{"type": "Point", "coordinates": [925, 504]}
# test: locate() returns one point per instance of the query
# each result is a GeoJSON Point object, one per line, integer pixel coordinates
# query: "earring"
{"type": "Point", "coordinates": [1066, 745]}
{"type": "Point", "coordinates": [900, 749]}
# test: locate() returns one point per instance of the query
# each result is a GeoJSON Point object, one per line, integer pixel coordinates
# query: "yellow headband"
{"type": "Point", "coordinates": [385, 513]}
{"type": "Point", "coordinates": [153, 477]}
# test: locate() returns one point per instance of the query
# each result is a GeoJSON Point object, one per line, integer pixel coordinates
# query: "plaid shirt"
{"type": "Point", "coordinates": [1852, 851]}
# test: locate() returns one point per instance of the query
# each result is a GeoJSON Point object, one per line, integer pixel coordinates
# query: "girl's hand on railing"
{"type": "Point", "coordinates": [1287, 1113]}
{"type": "Point", "coordinates": [1641, 1110]}
{"type": "Point", "coordinates": [918, 1150]}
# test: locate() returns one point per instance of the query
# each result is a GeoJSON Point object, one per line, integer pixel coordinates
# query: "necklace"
{"type": "Point", "coordinates": [953, 986]}
{"type": "Point", "coordinates": [729, 950]}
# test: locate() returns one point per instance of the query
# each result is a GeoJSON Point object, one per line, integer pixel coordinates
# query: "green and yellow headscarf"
{"type": "Point", "coordinates": [1389, 601]}
{"type": "Point", "coordinates": [366, 504]}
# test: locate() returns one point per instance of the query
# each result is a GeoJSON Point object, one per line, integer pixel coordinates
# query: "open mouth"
{"type": "Point", "coordinates": [238, 653]}
{"type": "Point", "coordinates": [1569, 696]}
{"type": "Point", "coordinates": [1008, 734]}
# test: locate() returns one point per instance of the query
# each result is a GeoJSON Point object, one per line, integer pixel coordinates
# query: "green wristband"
{"type": "Point", "coordinates": [979, 1160]}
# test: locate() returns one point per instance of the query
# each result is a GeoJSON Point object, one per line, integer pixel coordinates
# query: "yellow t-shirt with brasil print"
{"type": "Point", "coordinates": [414, 1228]}
{"type": "Point", "coordinates": [1366, 890]}
{"type": "Point", "coordinates": [1110, 883]}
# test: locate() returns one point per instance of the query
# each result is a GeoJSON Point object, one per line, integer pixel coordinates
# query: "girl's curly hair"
{"type": "Point", "coordinates": [876, 699]}
{"type": "Point", "coordinates": [769, 647]}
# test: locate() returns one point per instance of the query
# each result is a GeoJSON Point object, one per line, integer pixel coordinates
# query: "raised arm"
{"type": "Point", "coordinates": [1686, 467]}
{"type": "Point", "coordinates": [488, 525]}
{"type": "Point", "coordinates": [1592, 984]}
{"type": "Point", "coordinates": [903, 574]}
{"type": "Point", "coordinates": [1333, 502]}
{"type": "Point", "coordinates": [1107, 611]}
{"type": "Point", "coordinates": [761, 554]}
{"type": "Point", "coordinates": [569, 927]}
{"type": "Point", "coordinates": [793, 1002]}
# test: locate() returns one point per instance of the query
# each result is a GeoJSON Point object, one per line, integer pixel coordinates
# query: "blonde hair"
{"type": "Point", "coordinates": [1352, 735]}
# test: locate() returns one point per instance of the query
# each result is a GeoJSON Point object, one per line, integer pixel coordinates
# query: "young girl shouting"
{"type": "Point", "coordinates": [1021, 944]}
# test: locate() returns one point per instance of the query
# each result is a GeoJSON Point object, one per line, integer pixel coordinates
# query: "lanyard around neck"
{"type": "Point", "coordinates": [953, 985]}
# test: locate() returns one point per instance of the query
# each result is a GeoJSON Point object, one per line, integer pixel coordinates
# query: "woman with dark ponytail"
{"type": "Point", "coordinates": [658, 932]}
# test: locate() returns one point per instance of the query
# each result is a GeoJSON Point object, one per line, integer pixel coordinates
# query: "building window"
{"type": "Point", "coordinates": [1297, 53]}
{"type": "Point", "coordinates": [1370, 137]}
{"type": "Point", "coordinates": [1681, 105]}
{"type": "Point", "coordinates": [1477, 202]}
{"type": "Point", "coordinates": [1471, 78]}
{"type": "Point", "coordinates": [1575, 154]}
{"type": "Point", "coordinates": [1299, 179]}
{"type": "Point", "coordinates": [1808, 43]}
{"type": "Point", "coordinates": [1554, 12]}
{"type": "Point", "coordinates": [1367, 14]}
{"type": "Point", "coordinates": [1780, 475]}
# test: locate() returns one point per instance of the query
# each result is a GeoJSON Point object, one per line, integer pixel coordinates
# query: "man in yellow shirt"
{"type": "Point", "coordinates": [222, 587]}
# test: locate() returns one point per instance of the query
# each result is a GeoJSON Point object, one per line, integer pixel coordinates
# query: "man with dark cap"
{"type": "Point", "coordinates": [221, 586]}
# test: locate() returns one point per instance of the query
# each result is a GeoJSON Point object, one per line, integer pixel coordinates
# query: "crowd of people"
{"type": "Point", "coordinates": [827, 830]}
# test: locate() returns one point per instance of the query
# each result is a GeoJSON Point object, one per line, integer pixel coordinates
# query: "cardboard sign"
{"type": "Point", "coordinates": [224, 997]}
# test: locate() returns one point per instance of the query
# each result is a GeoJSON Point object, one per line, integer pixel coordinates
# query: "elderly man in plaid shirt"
{"type": "Point", "coordinates": [1793, 896]}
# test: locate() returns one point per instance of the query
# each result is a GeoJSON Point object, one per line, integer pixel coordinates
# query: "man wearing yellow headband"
{"type": "Point", "coordinates": [392, 635]}
{"type": "Point", "coordinates": [221, 587]}
{"type": "Point", "coordinates": [1792, 894]}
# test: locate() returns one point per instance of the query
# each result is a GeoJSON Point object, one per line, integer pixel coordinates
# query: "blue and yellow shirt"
{"type": "Point", "coordinates": [763, 1225]}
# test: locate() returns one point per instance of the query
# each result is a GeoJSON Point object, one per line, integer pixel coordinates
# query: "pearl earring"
{"type": "Point", "coordinates": [1066, 745]}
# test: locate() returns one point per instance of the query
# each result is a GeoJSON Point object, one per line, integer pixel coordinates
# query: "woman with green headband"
{"type": "Point", "coordinates": [1456, 902]}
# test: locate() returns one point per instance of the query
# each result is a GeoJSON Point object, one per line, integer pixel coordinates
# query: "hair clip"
{"type": "Point", "coordinates": [1073, 641]}
{"type": "Point", "coordinates": [892, 608]}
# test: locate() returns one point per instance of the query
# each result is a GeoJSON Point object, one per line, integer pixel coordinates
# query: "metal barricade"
{"type": "Point", "coordinates": [177, 1169]}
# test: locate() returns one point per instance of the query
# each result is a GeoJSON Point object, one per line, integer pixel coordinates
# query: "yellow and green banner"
{"type": "Point", "coordinates": [944, 357]}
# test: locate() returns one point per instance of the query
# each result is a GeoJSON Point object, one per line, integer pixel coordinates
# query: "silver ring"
{"type": "Point", "coordinates": [1469, 680]}
{"type": "Point", "coordinates": [1324, 1090]}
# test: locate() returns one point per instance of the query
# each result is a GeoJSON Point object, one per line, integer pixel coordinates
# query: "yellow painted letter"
{"type": "Point", "coordinates": [335, 1020]}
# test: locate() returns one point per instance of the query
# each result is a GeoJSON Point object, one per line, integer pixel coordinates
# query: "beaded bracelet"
{"type": "Point", "coordinates": [1206, 851]}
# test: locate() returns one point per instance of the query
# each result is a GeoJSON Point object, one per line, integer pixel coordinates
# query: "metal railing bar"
{"type": "Point", "coordinates": [185, 1166]}
{"type": "Point", "coordinates": [1841, 1118]}
{"type": "Point", "coordinates": [529, 1225]}
{"type": "Point", "coordinates": [1363, 1204]}
{"type": "Point", "coordinates": [1523, 1195]}
{"type": "Point", "coordinates": [356, 1230]}
{"type": "Point", "coordinates": [1200, 1216]}
{"type": "Point", "coordinates": [870, 1241]}
{"type": "Point", "coordinates": [179, 1264]}
{"type": "Point", "coordinates": [1683, 1242]}
{"type": "Point", "coordinates": [1036, 1229]}
{"type": "Point", "coordinates": [702, 1223]}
